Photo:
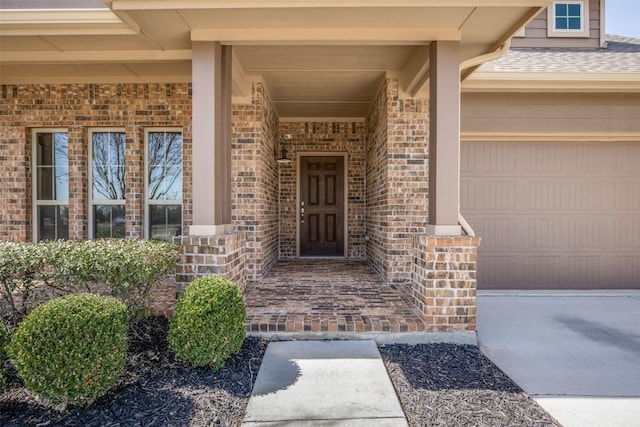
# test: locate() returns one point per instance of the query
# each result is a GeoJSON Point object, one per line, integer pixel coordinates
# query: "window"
{"type": "Point", "coordinates": [107, 183]}
{"type": "Point", "coordinates": [51, 184]}
{"type": "Point", "coordinates": [569, 18]}
{"type": "Point", "coordinates": [164, 184]}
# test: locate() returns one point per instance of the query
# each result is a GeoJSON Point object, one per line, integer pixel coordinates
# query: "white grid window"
{"type": "Point", "coordinates": [568, 18]}
{"type": "Point", "coordinates": [107, 183]}
{"type": "Point", "coordinates": [50, 184]}
{"type": "Point", "coordinates": [163, 184]}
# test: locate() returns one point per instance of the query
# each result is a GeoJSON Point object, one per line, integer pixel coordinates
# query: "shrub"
{"type": "Point", "coordinates": [208, 323]}
{"type": "Point", "coordinates": [39, 271]}
{"type": "Point", "coordinates": [71, 349]}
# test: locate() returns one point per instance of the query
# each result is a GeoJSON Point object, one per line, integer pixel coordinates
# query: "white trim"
{"type": "Point", "coordinates": [320, 119]}
{"type": "Point", "coordinates": [535, 136]}
{"type": "Point", "coordinates": [210, 230]}
{"type": "Point", "coordinates": [584, 20]}
{"type": "Point", "coordinates": [603, 30]}
{"type": "Point", "coordinates": [145, 172]}
{"type": "Point", "coordinates": [516, 81]}
{"type": "Point", "coordinates": [90, 204]}
{"type": "Point", "coordinates": [34, 179]}
{"type": "Point", "coordinates": [345, 206]}
{"type": "Point", "coordinates": [443, 230]}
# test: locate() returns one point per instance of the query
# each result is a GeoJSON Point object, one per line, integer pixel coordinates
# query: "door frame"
{"type": "Point", "coordinates": [345, 204]}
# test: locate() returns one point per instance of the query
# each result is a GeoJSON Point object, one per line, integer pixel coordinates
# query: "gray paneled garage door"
{"type": "Point", "coordinates": [554, 215]}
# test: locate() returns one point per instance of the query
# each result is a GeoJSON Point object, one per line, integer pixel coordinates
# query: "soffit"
{"type": "Point", "coordinates": [316, 58]}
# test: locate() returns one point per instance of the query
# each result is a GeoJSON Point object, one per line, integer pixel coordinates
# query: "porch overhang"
{"type": "Point", "coordinates": [322, 58]}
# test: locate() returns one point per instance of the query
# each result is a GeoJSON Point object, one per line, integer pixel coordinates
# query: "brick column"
{"type": "Point", "coordinates": [222, 255]}
{"type": "Point", "coordinates": [443, 280]}
{"type": "Point", "coordinates": [212, 247]}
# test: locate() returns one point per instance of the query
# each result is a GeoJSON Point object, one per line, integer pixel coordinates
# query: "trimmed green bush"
{"type": "Point", "coordinates": [71, 349]}
{"type": "Point", "coordinates": [37, 272]}
{"type": "Point", "coordinates": [208, 323]}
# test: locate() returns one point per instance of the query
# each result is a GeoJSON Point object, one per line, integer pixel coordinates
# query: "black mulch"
{"type": "Point", "coordinates": [453, 385]}
{"type": "Point", "coordinates": [438, 385]}
{"type": "Point", "coordinates": [154, 390]}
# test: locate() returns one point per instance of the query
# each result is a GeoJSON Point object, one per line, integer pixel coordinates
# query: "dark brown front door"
{"type": "Point", "coordinates": [321, 206]}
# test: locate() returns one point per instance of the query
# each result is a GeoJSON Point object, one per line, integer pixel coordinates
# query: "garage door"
{"type": "Point", "coordinates": [554, 215]}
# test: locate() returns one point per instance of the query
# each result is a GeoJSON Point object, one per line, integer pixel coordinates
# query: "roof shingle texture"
{"type": "Point", "coordinates": [622, 55]}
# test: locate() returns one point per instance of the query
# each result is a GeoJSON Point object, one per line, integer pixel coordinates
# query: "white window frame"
{"type": "Point", "coordinates": [149, 202]}
{"type": "Point", "coordinates": [584, 20]}
{"type": "Point", "coordinates": [34, 179]}
{"type": "Point", "coordinates": [93, 202]}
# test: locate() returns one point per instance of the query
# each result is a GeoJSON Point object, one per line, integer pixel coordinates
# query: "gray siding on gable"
{"type": "Point", "coordinates": [536, 33]}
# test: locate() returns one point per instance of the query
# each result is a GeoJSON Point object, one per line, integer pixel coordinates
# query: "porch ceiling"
{"type": "Point", "coordinates": [318, 59]}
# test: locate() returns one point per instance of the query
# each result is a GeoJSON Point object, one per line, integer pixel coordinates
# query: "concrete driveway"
{"type": "Point", "coordinates": [577, 354]}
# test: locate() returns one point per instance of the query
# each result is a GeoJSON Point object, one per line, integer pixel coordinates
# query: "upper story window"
{"type": "Point", "coordinates": [568, 18]}
{"type": "Point", "coordinates": [51, 184]}
{"type": "Point", "coordinates": [164, 184]}
{"type": "Point", "coordinates": [107, 159]}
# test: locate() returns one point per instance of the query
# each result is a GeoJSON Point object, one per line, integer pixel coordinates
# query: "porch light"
{"type": "Point", "coordinates": [284, 159]}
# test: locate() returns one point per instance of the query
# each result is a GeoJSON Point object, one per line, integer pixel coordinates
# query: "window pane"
{"type": "Point", "coordinates": [62, 183]}
{"type": "Point", "coordinates": [561, 24]}
{"type": "Point", "coordinates": [573, 10]}
{"type": "Point", "coordinates": [574, 23]}
{"type": "Point", "coordinates": [53, 222]}
{"type": "Point", "coordinates": [45, 183]}
{"type": "Point", "coordinates": [108, 221]}
{"type": "Point", "coordinates": [165, 221]}
{"type": "Point", "coordinates": [62, 219]}
{"type": "Point", "coordinates": [561, 9]}
{"type": "Point", "coordinates": [108, 175]}
{"type": "Point", "coordinates": [52, 167]}
{"type": "Point", "coordinates": [46, 222]}
{"type": "Point", "coordinates": [44, 149]}
{"type": "Point", "coordinates": [61, 149]}
{"type": "Point", "coordinates": [165, 166]}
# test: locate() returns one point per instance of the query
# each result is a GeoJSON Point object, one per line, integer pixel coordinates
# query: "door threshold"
{"type": "Point", "coordinates": [322, 257]}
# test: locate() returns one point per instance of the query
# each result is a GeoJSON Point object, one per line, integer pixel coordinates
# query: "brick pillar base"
{"type": "Point", "coordinates": [443, 280]}
{"type": "Point", "coordinates": [221, 255]}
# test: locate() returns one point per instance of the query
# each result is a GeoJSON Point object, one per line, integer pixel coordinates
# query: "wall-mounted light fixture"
{"type": "Point", "coordinates": [284, 155]}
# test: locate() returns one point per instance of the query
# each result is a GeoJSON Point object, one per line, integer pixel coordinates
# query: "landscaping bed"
{"type": "Point", "coordinates": [438, 385]}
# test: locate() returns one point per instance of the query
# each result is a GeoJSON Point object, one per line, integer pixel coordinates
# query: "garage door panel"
{"type": "Point", "coordinates": [554, 215]}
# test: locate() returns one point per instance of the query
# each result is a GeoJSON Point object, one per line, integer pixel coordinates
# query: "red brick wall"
{"type": "Point", "coordinates": [324, 137]}
{"type": "Point", "coordinates": [397, 180]}
{"type": "Point", "coordinates": [77, 108]}
{"type": "Point", "coordinates": [444, 281]}
{"type": "Point", "coordinates": [255, 180]}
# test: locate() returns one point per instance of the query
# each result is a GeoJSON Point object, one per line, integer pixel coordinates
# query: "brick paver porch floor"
{"type": "Point", "coordinates": [327, 295]}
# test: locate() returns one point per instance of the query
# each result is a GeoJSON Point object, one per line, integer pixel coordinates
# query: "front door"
{"type": "Point", "coordinates": [321, 206]}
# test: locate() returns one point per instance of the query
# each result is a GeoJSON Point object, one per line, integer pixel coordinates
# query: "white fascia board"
{"type": "Point", "coordinates": [42, 22]}
{"type": "Point", "coordinates": [551, 81]}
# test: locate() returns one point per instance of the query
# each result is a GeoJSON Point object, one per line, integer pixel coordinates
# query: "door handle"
{"type": "Point", "coordinates": [302, 215]}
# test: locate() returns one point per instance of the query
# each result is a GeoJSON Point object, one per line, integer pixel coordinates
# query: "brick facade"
{"type": "Point", "coordinates": [222, 255]}
{"type": "Point", "coordinates": [324, 137]}
{"type": "Point", "coordinates": [79, 108]}
{"type": "Point", "coordinates": [444, 281]}
{"type": "Point", "coordinates": [387, 164]}
{"type": "Point", "coordinates": [255, 180]}
{"type": "Point", "coordinates": [397, 180]}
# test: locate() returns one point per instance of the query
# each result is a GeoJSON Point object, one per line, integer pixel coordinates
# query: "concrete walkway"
{"type": "Point", "coordinates": [577, 354]}
{"type": "Point", "coordinates": [323, 383]}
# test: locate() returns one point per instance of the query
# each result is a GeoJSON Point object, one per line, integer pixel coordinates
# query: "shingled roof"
{"type": "Point", "coordinates": [622, 55]}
